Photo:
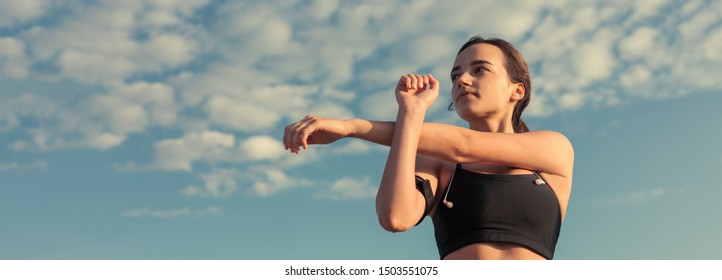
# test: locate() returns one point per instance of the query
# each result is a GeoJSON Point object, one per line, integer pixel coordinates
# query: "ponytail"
{"type": "Point", "coordinates": [520, 127]}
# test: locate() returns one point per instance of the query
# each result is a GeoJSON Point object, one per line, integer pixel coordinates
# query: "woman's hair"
{"type": "Point", "coordinates": [518, 73]}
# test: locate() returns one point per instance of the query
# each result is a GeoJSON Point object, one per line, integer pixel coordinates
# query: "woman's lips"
{"type": "Point", "coordinates": [464, 93]}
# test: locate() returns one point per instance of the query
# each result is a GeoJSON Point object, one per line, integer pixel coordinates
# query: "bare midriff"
{"type": "Point", "coordinates": [494, 251]}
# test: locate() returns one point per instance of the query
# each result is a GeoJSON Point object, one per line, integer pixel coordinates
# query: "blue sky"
{"type": "Point", "coordinates": [151, 129]}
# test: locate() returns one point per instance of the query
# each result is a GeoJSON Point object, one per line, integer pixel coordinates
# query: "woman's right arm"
{"type": "Point", "coordinates": [317, 130]}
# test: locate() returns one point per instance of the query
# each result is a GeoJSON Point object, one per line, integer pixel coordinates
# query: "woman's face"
{"type": "Point", "coordinates": [480, 84]}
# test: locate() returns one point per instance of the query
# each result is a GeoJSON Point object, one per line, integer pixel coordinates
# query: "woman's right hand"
{"type": "Point", "coordinates": [415, 91]}
{"type": "Point", "coordinates": [314, 130]}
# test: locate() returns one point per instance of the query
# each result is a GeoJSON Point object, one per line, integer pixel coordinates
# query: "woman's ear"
{"type": "Point", "coordinates": [517, 92]}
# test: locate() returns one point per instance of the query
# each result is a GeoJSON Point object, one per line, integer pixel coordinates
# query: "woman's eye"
{"type": "Point", "coordinates": [454, 77]}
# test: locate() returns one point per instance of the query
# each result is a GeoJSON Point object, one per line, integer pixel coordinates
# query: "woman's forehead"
{"type": "Point", "coordinates": [481, 51]}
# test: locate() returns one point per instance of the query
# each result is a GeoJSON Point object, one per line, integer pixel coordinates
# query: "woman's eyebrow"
{"type": "Point", "coordinates": [475, 62]}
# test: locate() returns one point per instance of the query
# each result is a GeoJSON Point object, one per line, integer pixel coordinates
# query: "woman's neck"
{"type": "Point", "coordinates": [488, 125]}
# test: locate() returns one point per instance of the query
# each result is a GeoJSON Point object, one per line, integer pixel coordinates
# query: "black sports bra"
{"type": "Point", "coordinates": [519, 209]}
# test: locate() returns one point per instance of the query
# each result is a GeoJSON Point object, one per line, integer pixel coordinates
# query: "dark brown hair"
{"type": "Point", "coordinates": [518, 72]}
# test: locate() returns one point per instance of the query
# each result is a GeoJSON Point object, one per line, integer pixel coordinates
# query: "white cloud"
{"type": "Point", "coordinates": [218, 79]}
{"type": "Point", "coordinates": [103, 141]}
{"type": "Point", "coordinates": [12, 58]}
{"type": "Point", "coordinates": [267, 181]}
{"type": "Point", "coordinates": [355, 146]}
{"type": "Point", "coordinates": [164, 51]}
{"type": "Point", "coordinates": [289, 100]}
{"type": "Point", "coordinates": [247, 100]}
{"type": "Point", "coordinates": [13, 12]}
{"type": "Point", "coordinates": [262, 181]}
{"type": "Point", "coordinates": [639, 42]}
{"type": "Point", "coordinates": [261, 148]}
{"type": "Point", "coordinates": [159, 18]}
{"type": "Point", "coordinates": [645, 9]}
{"type": "Point", "coordinates": [119, 115]}
{"type": "Point", "coordinates": [348, 188]}
{"type": "Point", "coordinates": [39, 140]}
{"type": "Point", "coordinates": [163, 12]}
{"type": "Point", "coordinates": [98, 121]}
{"type": "Point", "coordinates": [157, 99]}
{"type": "Point", "coordinates": [262, 28]}
{"type": "Point", "coordinates": [635, 76]}
{"type": "Point", "coordinates": [329, 110]}
{"type": "Point", "coordinates": [336, 94]}
{"type": "Point", "coordinates": [380, 106]}
{"type": "Point", "coordinates": [539, 107]}
{"type": "Point", "coordinates": [172, 213]}
{"type": "Point", "coordinates": [321, 10]}
{"type": "Point", "coordinates": [182, 8]}
{"type": "Point", "coordinates": [572, 100]}
{"type": "Point", "coordinates": [56, 126]}
{"type": "Point", "coordinates": [436, 49]}
{"type": "Point", "coordinates": [105, 43]}
{"type": "Point", "coordinates": [592, 62]}
{"type": "Point", "coordinates": [8, 121]}
{"type": "Point", "coordinates": [179, 154]}
{"type": "Point", "coordinates": [239, 114]}
{"type": "Point", "coordinates": [208, 146]}
{"type": "Point", "coordinates": [219, 183]}
{"type": "Point", "coordinates": [711, 45]}
{"type": "Point", "coordinates": [92, 67]}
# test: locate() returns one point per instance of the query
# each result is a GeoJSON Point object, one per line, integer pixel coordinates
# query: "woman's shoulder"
{"type": "Point", "coordinates": [547, 133]}
{"type": "Point", "coordinates": [551, 137]}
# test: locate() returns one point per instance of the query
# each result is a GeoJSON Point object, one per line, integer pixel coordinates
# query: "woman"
{"type": "Point", "coordinates": [494, 190]}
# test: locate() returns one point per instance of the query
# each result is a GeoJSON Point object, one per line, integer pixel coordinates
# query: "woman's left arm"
{"type": "Point", "coordinates": [545, 151]}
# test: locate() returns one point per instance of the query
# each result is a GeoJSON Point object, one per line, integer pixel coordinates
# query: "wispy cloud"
{"type": "Point", "coordinates": [648, 196]}
{"type": "Point", "coordinates": [348, 188]}
{"type": "Point", "coordinates": [16, 166]}
{"type": "Point", "coordinates": [640, 196]}
{"type": "Point", "coordinates": [172, 213]}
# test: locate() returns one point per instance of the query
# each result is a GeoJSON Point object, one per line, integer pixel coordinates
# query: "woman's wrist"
{"type": "Point", "coordinates": [411, 113]}
{"type": "Point", "coordinates": [353, 126]}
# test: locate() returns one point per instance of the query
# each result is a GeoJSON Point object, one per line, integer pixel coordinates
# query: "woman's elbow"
{"type": "Point", "coordinates": [394, 224]}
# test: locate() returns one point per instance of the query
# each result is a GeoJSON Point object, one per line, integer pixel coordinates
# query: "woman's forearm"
{"type": "Point", "coordinates": [398, 204]}
{"type": "Point", "coordinates": [381, 132]}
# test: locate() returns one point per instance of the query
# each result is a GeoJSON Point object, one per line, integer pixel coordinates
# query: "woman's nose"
{"type": "Point", "coordinates": [463, 80]}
